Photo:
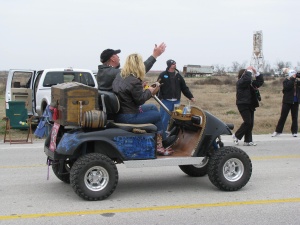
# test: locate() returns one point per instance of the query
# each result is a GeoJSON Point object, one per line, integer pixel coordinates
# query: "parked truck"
{"type": "Point", "coordinates": [34, 86]}
{"type": "Point", "coordinates": [197, 70]}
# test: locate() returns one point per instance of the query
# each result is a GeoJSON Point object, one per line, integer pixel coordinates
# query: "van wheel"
{"type": "Point", "coordinates": [198, 170]}
{"type": "Point", "coordinates": [230, 168]}
{"type": "Point", "coordinates": [94, 177]}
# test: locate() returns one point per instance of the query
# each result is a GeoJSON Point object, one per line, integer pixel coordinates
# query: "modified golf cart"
{"type": "Point", "coordinates": [85, 145]}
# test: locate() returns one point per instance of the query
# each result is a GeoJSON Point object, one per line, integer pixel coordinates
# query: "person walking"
{"type": "Point", "coordinates": [246, 100]}
{"type": "Point", "coordinates": [290, 102]}
{"type": "Point", "coordinates": [172, 84]}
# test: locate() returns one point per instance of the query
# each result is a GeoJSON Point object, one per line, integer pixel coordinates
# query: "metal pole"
{"type": "Point", "coordinates": [162, 104]}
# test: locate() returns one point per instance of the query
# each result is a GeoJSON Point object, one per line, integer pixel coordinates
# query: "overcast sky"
{"type": "Point", "coordinates": [40, 34]}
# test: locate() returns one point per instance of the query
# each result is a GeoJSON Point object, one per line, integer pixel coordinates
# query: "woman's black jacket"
{"type": "Point", "coordinates": [245, 93]}
{"type": "Point", "coordinates": [131, 93]}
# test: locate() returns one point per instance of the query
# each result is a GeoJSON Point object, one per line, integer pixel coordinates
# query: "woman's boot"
{"type": "Point", "coordinates": [169, 141]}
{"type": "Point", "coordinates": [160, 148]}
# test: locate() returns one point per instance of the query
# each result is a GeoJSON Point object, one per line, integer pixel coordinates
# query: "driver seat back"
{"type": "Point", "coordinates": [108, 103]}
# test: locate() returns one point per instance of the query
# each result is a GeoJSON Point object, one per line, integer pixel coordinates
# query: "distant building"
{"type": "Point", "coordinates": [197, 70]}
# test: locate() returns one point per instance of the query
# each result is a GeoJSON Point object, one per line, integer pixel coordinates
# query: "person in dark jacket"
{"type": "Point", "coordinates": [290, 102]}
{"type": "Point", "coordinates": [170, 90]}
{"type": "Point", "coordinates": [246, 100]}
{"type": "Point", "coordinates": [108, 71]}
{"type": "Point", "coordinates": [128, 86]}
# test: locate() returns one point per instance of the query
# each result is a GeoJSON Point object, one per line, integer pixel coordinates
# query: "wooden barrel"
{"type": "Point", "coordinates": [94, 119]}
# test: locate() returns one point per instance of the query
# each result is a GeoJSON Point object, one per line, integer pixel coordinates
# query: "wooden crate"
{"type": "Point", "coordinates": [72, 100]}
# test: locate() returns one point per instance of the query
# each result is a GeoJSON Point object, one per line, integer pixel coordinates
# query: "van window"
{"type": "Point", "coordinates": [58, 77]}
{"type": "Point", "coordinates": [21, 79]}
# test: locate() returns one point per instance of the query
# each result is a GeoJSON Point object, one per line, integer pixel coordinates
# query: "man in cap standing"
{"type": "Point", "coordinates": [170, 90]}
{"type": "Point", "coordinates": [108, 71]}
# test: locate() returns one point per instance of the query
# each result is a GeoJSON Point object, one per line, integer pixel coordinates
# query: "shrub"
{"type": "Point", "coordinates": [208, 81]}
{"type": "Point", "coordinates": [230, 81]}
{"type": "Point", "coordinates": [2, 88]}
{"type": "Point", "coordinates": [231, 112]}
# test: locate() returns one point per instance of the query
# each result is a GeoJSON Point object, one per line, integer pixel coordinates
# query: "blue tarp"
{"type": "Point", "coordinates": [44, 125]}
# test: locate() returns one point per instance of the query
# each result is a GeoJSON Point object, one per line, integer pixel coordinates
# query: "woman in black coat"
{"type": "Point", "coordinates": [247, 101]}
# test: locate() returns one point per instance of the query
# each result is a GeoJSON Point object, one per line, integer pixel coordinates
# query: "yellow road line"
{"type": "Point", "coordinates": [156, 208]}
{"type": "Point", "coordinates": [28, 166]}
{"type": "Point", "coordinates": [275, 157]}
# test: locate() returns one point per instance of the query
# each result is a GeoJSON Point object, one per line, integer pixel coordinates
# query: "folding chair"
{"type": "Point", "coordinates": [17, 118]}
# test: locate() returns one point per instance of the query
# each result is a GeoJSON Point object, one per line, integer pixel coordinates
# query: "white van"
{"type": "Point", "coordinates": [34, 87]}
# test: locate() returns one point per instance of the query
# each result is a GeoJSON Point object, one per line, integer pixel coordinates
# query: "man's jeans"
{"type": "Point", "coordinates": [165, 117]}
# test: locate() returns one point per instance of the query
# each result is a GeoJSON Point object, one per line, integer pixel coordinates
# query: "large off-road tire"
{"type": "Point", "coordinates": [230, 168]}
{"type": "Point", "coordinates": [94, 177]}
{"type": "Point", "coordinates": [65, 175]}
{"type": "Point", "coordinates": [199, 170]}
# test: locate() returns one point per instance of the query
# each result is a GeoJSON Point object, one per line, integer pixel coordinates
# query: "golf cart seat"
{"type": "Point", "coordinates": [109, 103]}
{"type": "Point", "coordinates": [135, 128]}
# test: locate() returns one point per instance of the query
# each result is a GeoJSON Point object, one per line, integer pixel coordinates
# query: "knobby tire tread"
{"type": "Point", "coordinates": [81, 163]}
{"type": "Point", "coordinates": [214, 168]}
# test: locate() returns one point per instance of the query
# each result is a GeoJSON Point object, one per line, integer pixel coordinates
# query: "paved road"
{"type": "Point", "coordinates": [163, 195]}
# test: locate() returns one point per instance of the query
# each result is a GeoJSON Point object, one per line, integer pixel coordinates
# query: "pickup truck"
{"type": "Point", "coordinates": [34, 86]}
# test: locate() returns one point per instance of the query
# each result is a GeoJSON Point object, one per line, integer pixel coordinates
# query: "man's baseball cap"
{"type": "Point", "coordinates": [107, 53]}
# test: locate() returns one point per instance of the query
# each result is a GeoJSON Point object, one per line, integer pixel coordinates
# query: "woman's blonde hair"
{"type": "Point", "coordinates": [134, 65]}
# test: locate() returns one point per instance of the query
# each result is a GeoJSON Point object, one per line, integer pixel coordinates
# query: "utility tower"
{"type": "Point", "coordinates": [257, 60]}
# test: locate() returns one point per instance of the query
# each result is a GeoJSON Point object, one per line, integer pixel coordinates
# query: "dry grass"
{"type": "Point", "coordinates": [217, 95]}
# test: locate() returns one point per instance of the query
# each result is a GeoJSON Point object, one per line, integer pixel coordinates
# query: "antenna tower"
{"type": "Point", "coordinates": [257, 60]}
